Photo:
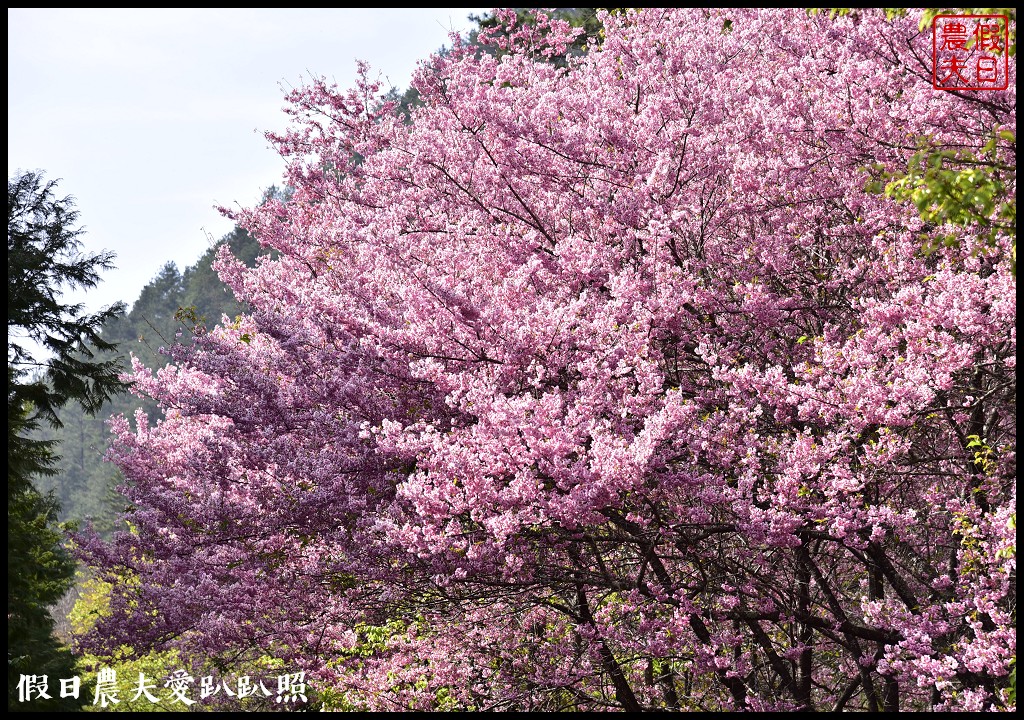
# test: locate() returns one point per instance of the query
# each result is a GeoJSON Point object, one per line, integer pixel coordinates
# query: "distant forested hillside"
{"type": "Point", "coordinates": [172, 302]}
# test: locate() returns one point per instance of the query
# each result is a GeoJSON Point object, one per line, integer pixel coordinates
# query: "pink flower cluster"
{"type": "Point", "coordinates": [601, 386]}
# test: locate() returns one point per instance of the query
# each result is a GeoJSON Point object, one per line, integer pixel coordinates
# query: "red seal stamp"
{"type": "Point", "coordinates": [969, 52]}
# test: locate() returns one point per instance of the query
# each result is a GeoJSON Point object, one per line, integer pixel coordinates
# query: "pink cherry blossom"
{"type": "Point", "coordinates": [600, 386]}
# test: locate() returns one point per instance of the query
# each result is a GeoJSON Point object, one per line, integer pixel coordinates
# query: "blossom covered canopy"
{"type": "Point", "coordinates": [611, 383]}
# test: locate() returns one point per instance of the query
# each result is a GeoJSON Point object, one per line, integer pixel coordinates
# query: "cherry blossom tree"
{"type": "Point", "coordinates": [611, 385]}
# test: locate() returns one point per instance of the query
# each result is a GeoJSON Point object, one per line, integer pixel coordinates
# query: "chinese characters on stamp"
{"type": "Point", "coordinates": [969, 52]}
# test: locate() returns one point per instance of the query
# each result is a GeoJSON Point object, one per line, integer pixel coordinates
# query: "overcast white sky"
{"type": "Point", "coordinates": [150, 117]}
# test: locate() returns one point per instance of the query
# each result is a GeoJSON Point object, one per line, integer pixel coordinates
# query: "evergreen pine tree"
{"type": "Point", "coordinates": [52, 359]}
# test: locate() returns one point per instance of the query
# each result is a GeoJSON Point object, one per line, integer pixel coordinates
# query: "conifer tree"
{"type": "Point", "coordinates": [51, 359]}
